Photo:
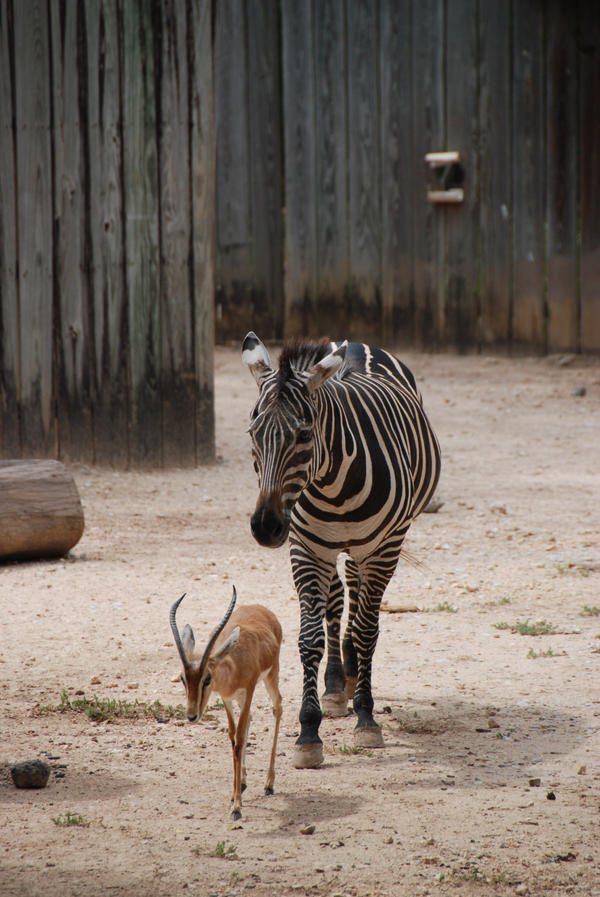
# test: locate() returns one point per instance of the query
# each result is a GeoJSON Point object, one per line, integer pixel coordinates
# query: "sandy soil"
{"type": "Point", "coordinates": [473, 714]}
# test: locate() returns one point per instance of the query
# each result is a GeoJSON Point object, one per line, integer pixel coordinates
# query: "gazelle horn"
{"type": "Point", "coordinates": [217, 631]}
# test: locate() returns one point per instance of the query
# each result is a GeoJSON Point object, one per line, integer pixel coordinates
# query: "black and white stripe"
{"type": "Point", "coordinates": [346, 458]}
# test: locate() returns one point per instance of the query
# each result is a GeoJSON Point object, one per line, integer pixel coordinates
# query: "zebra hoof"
{"type": "Point", "coordinates": [308, 756]}
{"type": "Point", "coordinates": [368, 737]}
{"type": "Point", "coordinates": [350, 686]}
{"type": "Point", "coordinates": [335, 704]}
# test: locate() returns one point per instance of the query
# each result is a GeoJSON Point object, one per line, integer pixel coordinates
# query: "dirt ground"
{"type": "Point", "coordinates": [489, 783]}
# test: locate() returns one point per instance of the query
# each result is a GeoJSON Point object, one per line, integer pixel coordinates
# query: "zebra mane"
{"type": "Point", "coordinates": [301, 355]}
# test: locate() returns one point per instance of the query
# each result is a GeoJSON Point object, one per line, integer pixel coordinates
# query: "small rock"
{"type": "Point", "coordinates": [433, 506]}
{"type": "Point", "coordinates": [522, 889]}
{"type": "Point", "coordinates": [307, 830]}
{"type": "Point", "coordinates": [535, 783]}
{"type": "Point", "coordinates": [582, 770]}
{"type": "Point", "coordinates": [498, 508]}
{"type": "Point", "coordinates": [579, 391]}
{"type": "Point", "coordinates": [30, 774]}
{"type": "Point", "coordinates": [551, 796]}
{"type": "Point", "coordinates": [492, 724]}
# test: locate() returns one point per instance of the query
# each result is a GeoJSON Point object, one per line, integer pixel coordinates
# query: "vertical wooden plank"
{"type": "Point", "coordinates": [589, 173]}
{"type": "Point", "coordinates": [429, 136]}
{"type": "Point", "coordinates": [561, 114]}
{"type": "Point", "coordinates": [266, 189]}
{"type": "Point", "coordinates": [202, 184]}
{"type": "Point", "coordinates": [202, 180]}
{"type": "Point", "coordinates": [107, 284]}
{"type": "Point", "coordinates": [140, 167]}
{"type": "Point", "coordinates": [495, 106]}
{"type": "Point", "coordinates": [300, 175]}
{"type": "Point", "coordinates": [529, 314]}
{"type": "Point", "coordinates": [458, 321]}
{"type": "Point", "coordinates": [34, 226]}
{"type": "Point", "coordinates": [73, 349]}
{"type": "Point", "coordinates": [234, 219]}
{"type": "Point", "coordinates": [177, 334]}
{"type": "Point", "coordinates": [9, 310]}
{"type": "Point", "coordinates": [364, 293]}
{"type": "Point", "coordinates": [397, 177]}
{"type": "Point", "coordinates": [331, 198]}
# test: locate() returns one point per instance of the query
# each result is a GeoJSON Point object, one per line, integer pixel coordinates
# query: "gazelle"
{"type": "Point", "coordinates": [243, 649]}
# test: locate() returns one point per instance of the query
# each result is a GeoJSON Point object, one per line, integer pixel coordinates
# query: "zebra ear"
{"type": "Point", "coordinates": [326, 368]}
{"type": "Point", "coordinates": [255, 355]}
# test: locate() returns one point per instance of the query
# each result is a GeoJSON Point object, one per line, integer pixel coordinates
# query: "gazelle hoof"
{"type": "Point", "coordinates": [335, 704]}
{"type": "Point", "coordinates": [268, 791]}
{"type": "Point", "coordinates": [308, 756]}
{"type": "Point", "coordinates": [368, 737]}
{"type": "Point", "coordinates": [236, 814]}
{"type": "Point", "coordinates": [350, 686]}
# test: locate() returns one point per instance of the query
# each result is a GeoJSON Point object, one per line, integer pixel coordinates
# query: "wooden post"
{"type": "Point", "coordinates": [40, 510]}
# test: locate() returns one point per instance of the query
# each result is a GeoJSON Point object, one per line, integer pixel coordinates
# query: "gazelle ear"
{"type": "Point", "coordinates": [187, 639]}
{"type": "Point", "coordinates": [326, 368]}
{"type": "Point", "coordinates": [229, 643]}
{"type": "Point", "coordinates": [255, 355]}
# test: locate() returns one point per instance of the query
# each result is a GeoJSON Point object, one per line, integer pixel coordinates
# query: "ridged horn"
{"type": "Point", "coordinates": [186, 663]}
{"type": "Point", "coordinates": [217, 632]}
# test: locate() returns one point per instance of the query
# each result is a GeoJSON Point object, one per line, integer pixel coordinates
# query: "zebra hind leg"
{"type": "Point", "coordinates": [349, 651]}
{"type": "Point", "coordinates": [334, 701]}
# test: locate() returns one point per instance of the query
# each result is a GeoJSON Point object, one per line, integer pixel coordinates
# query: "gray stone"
{"type": "Point", "coordinates": [30, 774]}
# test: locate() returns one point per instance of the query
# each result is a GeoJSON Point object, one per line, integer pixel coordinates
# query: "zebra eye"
{"type": "Point", "coordinates": [304, 435]}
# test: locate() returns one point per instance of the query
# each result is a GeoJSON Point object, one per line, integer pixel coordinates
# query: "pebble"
{"type": "Point", "coordinates": [307, 830]}
{"type": "Point", "coordinates": [30, 774]}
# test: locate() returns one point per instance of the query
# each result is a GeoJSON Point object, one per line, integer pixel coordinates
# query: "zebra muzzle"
{"type": "Point", "coordinates": [269, 527]}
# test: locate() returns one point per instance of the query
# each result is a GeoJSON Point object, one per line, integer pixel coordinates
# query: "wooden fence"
{"type": "Point", "coordinates": [106, 231]}
{"type": "Point", "coordinates": [325, 111]}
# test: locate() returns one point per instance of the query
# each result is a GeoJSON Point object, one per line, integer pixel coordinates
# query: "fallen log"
{"type": "Point", "coordinates": [40, 510]}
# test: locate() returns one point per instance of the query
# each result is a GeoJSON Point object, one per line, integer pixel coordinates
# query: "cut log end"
{"type": "Point", "coordinates": [40, 510]}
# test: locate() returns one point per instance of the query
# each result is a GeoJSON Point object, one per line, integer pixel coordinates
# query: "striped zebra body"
{"type": "Point", "coordinates": [346, 459]}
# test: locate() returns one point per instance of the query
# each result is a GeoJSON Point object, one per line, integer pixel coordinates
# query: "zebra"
{"type": "Point", "coordinates": [345, 458]}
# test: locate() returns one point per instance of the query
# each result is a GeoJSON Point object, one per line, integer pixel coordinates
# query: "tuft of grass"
{"type": "Point", "coordinates": [541, 627]}
{"type": "Point", "coordinates": [590, 611]}
{"type": "Point", "coordinates": [533, 655]}
{"type": "Point", "coordinates": [442, 607]}
{"type": "Point", "coordinates": [226, 852]}
{"type": "Point", "coordinates": [349, 749]}
{"type": "Point", "coordinates": [71, 819]}
{"type": "Point", "coordinates": [109, 709]}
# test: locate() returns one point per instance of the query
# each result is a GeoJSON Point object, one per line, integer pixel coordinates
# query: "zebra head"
{"type": "Point", "coordinates": [286, 438]}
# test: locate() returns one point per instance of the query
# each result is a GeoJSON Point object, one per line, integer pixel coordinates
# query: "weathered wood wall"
{"type": "Point", "coordinates": [363, 89]}
{"type": "Point", "coordinates": [106, 231]}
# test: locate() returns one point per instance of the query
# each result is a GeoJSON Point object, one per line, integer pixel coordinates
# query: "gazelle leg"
{"type": "Point", "coordinates": [238, 754]}
{"type": "Point", "coordinates": [243, 770]}
{"type": "Point", "coordinates": [272, 686]}
{"type": "Point", "coordinates": [231, 733]}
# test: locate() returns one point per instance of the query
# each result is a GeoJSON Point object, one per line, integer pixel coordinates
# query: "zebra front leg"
{"type": "Point", "coordinates": [334, 701]}
{"type": "Point", "coordinates": [308, 753]}
{"type": "Point", "coordinates": [367, 733]}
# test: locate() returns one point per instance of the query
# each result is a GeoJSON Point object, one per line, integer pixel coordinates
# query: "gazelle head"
{"type": "Point", "coordinates": [198, 669]}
